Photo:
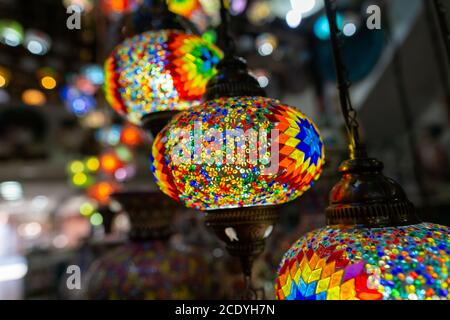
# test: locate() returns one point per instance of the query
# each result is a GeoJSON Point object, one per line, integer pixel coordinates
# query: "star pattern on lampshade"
{"type": "Point", "coordinates": [393, 263]}
{"type": "Point", "coordinates": [324, 274]}
{"type": "Point", "coordinates": [301, 149]}
{"type": "Point", "coordinates": [160, 171]}
{"type": "Point", "coordinates": [193, 62]}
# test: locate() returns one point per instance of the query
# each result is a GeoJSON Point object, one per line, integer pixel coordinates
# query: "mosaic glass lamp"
{"type": "Point", "coordinates": [149, 265]}
{"type": "Point", "coordinates": [238, 156]}
{"type": "Point", "coordinates": [159, 69]}
{"type": "Point", "coordinates": [374, 246]}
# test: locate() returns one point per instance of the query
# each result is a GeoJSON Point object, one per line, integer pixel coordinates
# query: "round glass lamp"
{"type": "Point", "coordinates": [149, 265]}
{"type": "Point", "coordinates": [159, 69]}
{"type": "Point", "coordinates": [373, 248]}
{"type": "Point", "coordinates": [238, 152]}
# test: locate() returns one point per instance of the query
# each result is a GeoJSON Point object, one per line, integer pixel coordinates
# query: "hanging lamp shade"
{"type": "Point", "coordinates": [149, 266]}
{"type": "Point", "coordinates": [264, 153]}
{"type": "Point", "coordinates": [374, 247]}
{"type": "Point", "coordinates": [347, 263]}
{"type": "Point", "coordinates": [160, 67]}
{"type": "Point", "coordinates": [184, 8]}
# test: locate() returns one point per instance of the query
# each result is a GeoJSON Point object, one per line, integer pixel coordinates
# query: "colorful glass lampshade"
{"type": "Point", "coordinates": [149, 266]}
{"type": "Point", "coordinates": [159, 272]}
{"type": "Point", "coordinates": [346, 263]}
{"type": "Point", "coordinates": [184, 8]}
{"type": "Point", "coordinates": [158, 71]}
{"type": "Point", "coordinates": [264, 153]}
{"type": "Point", "coordinates": [374, 246]}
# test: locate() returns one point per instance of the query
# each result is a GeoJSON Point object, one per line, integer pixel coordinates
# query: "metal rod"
{"type": "Point", "coordinates": [441, 10]}
{"type": "Point", "coordinates": [227, 43]}
{"type": "Point", "coordinates": [343, 84]}
{"type": "Point", "coordinates": [442, 65]}
{"type": "Point", "coordinates": [406, 110]}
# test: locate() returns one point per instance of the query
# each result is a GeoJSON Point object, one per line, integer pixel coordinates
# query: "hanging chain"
{"type": "Point", "coordinates": [350, 114]}
{"type": "Point", "coordinates": [228, 46]}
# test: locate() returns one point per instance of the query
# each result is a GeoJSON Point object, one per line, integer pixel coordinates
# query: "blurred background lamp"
{"type": "Point", "coordinates": [37, 42]}
{"type": "Point", "coordinates": [85, 5]}
{"type": "Point", "coordinates": [349, 29]}
{"type": "Point", "coordinates": [262, 76]}
{"type": "Point", "coordinates": [307, 7]}
{"type": "Point", "coordinates": [60, 241]}
{"type": "Point", "coordinates": [322, 27]}
{"type": "Point", "coordinates": [303, 6]}
{"type": "Point", "coordinates": [4, 96]}
{"type": "Point", "coordinates": [93, 164]}
{"type": "Point", "coordinates": [80, 179]}
{"type": "Point", "coordinates": [77, 102]}
{"type": "Point", "coordinates": [96, 219]}
{"type": "Point", "coordinates": [5, 75]}
{"type": "Point", "coordinates": [131, 136]}
{"type": "Point", "coordinates": [293, 19]}
{"type": "Point", "coordinates": [237, 7]}
{"type": "Point", "coordinates": [12, 268]}
{"type": "Point", "coordinates": [82, 105]}
{"type": "Point", "coordinates": [124, 154]}
{"type": "Point", "coordinates": [11, 33]}
{"type": "Point", "coordinates": [110, 162]}
{"type": "Point", "coordinates": [102, 191]}
{"type": "Point", "coordinates": [11, 190]}
{"type": "Point", "coordinates": [116, 6]}
{"type": "Point", "coordinates": [94, 73]}
{"type": "Point", "coordinates": [30, 230]}
{"type": "Point", "coordinates": [266, 44]}
{"type": "Point", "coordinates": [33, 97]}
{"type": "Point", "coordinates": [121, 174]}
{"type": "Point", "coordinates": [185, 8]}
{"type": "Point", "coordinates": [39, 202]}
{"type": "Point", "coordinates": [94, 119]}
{"type": "Point", "coordinates": [259, 12]}
{"type": "Point", "coordinates": [76, 166]}
{"type": "Point", "coordinates": [87, 209]}
{"type": "Point", "coordinates": [48, 82]}
{"type": "Point", "coordinates": [263, 81]}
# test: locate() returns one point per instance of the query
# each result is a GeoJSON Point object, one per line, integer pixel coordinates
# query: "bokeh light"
{"type": "Point", "coordinates": [87, 209]}
{"type": "Point", "coordinates": [101, 191]}
{"type": "Point", "coordinates": [110, 162]}
{"type": "Point", "coordinates": [37, 42]}
{"type": "Point", "coordinates": [96, 219]}
{"type": "Point", "coordinates": [34, 97]}
{"type": "Point", "coordinates": [5, 76]}
{"type": "Point", "coordinates": [48, 82]}
{"type": "Point", "coordinates": [11, 33]}
{"type": "Point", "coordinates": [322, 27]}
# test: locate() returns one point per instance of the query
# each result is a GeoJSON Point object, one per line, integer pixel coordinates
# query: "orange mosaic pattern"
{"type": "Point", "coordinates": [302, 153]}
{"type": "Point", "coordinates": [323, 275]}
